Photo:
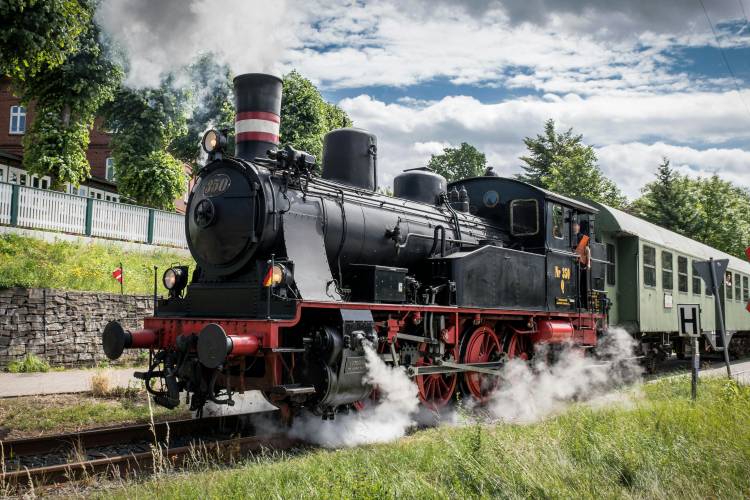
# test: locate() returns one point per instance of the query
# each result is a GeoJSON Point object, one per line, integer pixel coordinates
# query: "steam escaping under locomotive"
{"type": "Point", "coordinates": [298, 271]}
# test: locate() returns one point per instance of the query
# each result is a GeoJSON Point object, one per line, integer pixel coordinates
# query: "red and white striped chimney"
{"type": "Point", "coordinates": [258, 106]}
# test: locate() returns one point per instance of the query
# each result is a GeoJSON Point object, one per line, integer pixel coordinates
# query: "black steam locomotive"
{"type": "Point", "coordinates": [297, 271]}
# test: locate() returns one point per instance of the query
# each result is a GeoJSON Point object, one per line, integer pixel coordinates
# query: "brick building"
{"type": "Point", "coordinates": [15, 119]}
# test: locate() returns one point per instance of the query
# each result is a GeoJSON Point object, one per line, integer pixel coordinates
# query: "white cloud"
{"type": "Point", "coordinates": [620, 126]}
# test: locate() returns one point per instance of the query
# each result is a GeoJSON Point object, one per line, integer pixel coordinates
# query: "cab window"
{"type": "Point", "coordinates": [557, 221]}
{"type": "Point", "coordinates": [524, 217]}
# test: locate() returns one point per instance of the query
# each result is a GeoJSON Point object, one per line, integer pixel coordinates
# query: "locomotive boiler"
{"type": "Point", "coordinates": [300, 267]}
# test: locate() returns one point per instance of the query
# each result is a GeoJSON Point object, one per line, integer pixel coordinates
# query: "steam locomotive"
{"type": "Point", "coordinates": [297, 272]}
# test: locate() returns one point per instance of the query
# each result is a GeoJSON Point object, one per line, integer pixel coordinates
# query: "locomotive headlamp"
{"type": "Point", "coordinates": [175, 279]}
{"type": "Point", "coordinates": [277, 274]}
{"type": "Point", "coordinates": [213, 141]}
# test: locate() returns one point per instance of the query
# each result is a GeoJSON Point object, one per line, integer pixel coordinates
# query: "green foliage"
{"type": "Point", "coordinates": [459, 163]}
{"type": "Point", "coordinates": [648, 448]}
{"type": "Point", "coordinates": [562, 163]}
{"type": "Point", "coordinates": [29, 364]}
{"type": "Point", "coordinates": [40, 34]}
{"type": "Point", "coordinates": [210, 98]}
{"type": "Point", "coordinates": [67, 98]}
{"type": "Point", "coordinates": [144, 122]}
{"type": "Point", "coordinates": [306, 117]}
{"type": "Point", "coordinates": [725, 211]}
{"type": "Point", "coordinates": [710, 210]}
{"type": "Point", "coordinates": [669, 201]}
{"type": "Point", "coordinates": [32, 263]}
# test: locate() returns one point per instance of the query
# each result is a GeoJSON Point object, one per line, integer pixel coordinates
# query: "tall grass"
{"type": "Point", "coordinates": [661, 446]}
{"type": "Point", "coordinates": [29, 262]}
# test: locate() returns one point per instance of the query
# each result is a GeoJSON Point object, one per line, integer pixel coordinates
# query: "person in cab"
{"type": "Point", "coordinates": [582, 236]}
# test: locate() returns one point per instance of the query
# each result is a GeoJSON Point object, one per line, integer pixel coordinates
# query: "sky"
{"type": "Point", "coordinates": [641, 79]}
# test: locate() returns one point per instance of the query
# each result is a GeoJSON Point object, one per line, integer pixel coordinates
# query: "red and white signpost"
{"type": "Point", "coordinates": [118, 275]}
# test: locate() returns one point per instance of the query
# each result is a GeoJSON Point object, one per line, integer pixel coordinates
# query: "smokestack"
{"type": "Point", "coordinates": [258, 105]}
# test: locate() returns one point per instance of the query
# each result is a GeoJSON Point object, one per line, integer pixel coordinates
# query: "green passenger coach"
{"type": "Point", "coordinates": [649, 271]}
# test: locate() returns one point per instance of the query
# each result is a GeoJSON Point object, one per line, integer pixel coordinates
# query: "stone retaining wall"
{"type": "Point", "coordinates": [63, 327]}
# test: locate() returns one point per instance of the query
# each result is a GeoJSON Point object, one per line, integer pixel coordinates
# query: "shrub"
{"type": "Point", "coordinates": [29, 364]}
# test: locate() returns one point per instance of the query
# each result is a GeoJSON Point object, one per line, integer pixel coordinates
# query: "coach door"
{"type": "Point", "coordinates": [561, 284]}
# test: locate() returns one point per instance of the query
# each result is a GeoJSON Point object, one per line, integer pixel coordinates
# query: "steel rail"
{"type": "Point", "coordinates": [156, 437]}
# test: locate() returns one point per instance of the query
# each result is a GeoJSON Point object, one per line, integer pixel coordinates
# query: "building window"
{"type": "Point", "coordinates": [22, 179]}
{"type": "Point", "coordinates": [745, 289]}
{"type": "Point", "coordinates": [110, 172]}
{"type": "Point", "coordinates": [667, 278]}
{"type": "Point", "coordinates": [682, 274]}
{"type": "Point", "coordinates": [524, 217]}
{"type": "Point", "coordinates": [2, 173]}
{"type": "Point", "coordinates": [611, 279]}
{"type": "Point", "coordinates": [649, 266]}
{"type": "Point", "coordinates": [728, 285]}
{"type": "Point", "coordinates": [17, 119]}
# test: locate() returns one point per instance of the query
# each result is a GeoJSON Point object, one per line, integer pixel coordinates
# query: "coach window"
{"type": "Point", "coordinates": [737, 290]}
{"type": "Point", "coordinates": [696, 284]}
{"type": "Point", "coordinates": [745, 289]}
{"type": "Point", "coordinates": [649, 266]}
{"type": "Point", "coordinates": [17, 119]}
{"type": "Point", "coordinates": [524, 217]}
{"type": "Point", "coordinates": [667, 279]}
{"type": "Point", "coordinates": [611, 280]}
{"type": "Point", "coordinates": [728, 285]}
{"type": "Point", "coordinates": [682, 274]}
{"type": "Point", "coordinates": [557, 221]}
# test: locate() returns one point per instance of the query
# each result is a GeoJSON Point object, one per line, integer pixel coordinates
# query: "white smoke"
{"type": "Point", "coordinates": [165, 35]}
{"type": "Point", "coordinates": [530, 391]}
{"type": "Point", "coordinates": [381, 421]}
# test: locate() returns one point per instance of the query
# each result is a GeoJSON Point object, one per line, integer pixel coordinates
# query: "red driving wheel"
{"type": "Point", "coordinates": [483, 345]}
{"type": "Point", "coordinates": [435, 391]}
{"type": "Point", "coordinates": [515, 346]}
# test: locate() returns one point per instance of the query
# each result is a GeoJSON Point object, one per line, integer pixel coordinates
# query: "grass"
{"type": "Point", "coordinates": [32, 263]}
{"type": "Point", "coordinates": [662, 446]}
{"type": "Point", "coordinates": [36, 415]}
{"type": "Point", "coordinates": [29, 364]}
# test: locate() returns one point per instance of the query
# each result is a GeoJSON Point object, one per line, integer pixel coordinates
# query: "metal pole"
{"type": "Point", "coordinates": [156, 272]}
{"type": "Point", "coordinates": [268, 306]}
{"type": "Point", "coordinates": [122, 277]}
{"type": "Point", "coordinates": [696, 367]}
{"type": "Point", "coordinates": [720, 312]}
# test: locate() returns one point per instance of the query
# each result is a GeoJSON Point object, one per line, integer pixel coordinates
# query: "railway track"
{"type": "Point", "coordinates": [131, 450]}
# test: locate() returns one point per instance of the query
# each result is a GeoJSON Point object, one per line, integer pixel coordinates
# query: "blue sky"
{"type": "Point", "coordinates": [640, 79]}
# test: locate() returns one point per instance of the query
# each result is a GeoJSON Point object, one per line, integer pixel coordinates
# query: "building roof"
{"type": "Point", "coordinates": [625, 223]}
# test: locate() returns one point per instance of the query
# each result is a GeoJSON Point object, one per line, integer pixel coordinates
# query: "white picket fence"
{"type": "Point", "coordinates": [166, 232]}
{"type": "Point", "coordinates": [42, 209]}
{"type": "Point", "coordinates": [54, 211]}
{"type": "Point", "coordinates": [118, 221]}
{"type": "Point", "coordinates": [6, 193]}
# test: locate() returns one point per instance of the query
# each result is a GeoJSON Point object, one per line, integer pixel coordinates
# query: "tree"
{"type": "Point", "coordinates": [144, 123]}
{"type": "Point", "coordinates": [670, 202]}
{"type": "Point", "coordinates": [67, 98]}
{"type": "Point", "coordinates": [459, 163]}
{"type": "Point", "coordinates": [38, 35]}
{"type": "Point", "coordinates": [725, 211]}
{"type": "Point", "coordinates": [306, 117]}
{"type": "Point", "coordinates": [564, 164]}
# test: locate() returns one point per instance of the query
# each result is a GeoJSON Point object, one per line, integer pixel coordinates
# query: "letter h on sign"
{"type": "Point", "coordinates": [689, 320]}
